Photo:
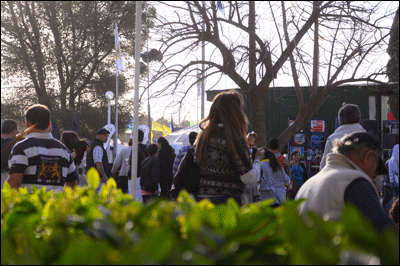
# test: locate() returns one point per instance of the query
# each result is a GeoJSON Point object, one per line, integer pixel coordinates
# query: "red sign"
{"type": "Point", "coordinates": [317, 126]}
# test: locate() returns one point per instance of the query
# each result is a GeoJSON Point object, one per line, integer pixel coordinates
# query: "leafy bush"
{"type": "Point", "coordinates": [80, 226]}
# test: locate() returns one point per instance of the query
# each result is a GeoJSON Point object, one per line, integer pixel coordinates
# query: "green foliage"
{"type": "Point", "coordinates": [81, 226]}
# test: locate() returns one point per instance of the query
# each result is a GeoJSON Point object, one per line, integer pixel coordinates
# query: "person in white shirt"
{"type": "Point", "coordinates": [349, 116]}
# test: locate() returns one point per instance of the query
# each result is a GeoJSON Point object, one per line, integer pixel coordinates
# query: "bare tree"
{"type": "Point", "coordinates": [60, 50]}
{"type": "Point", "coordinates": [349, 37]}
{"type": "Point", "coordinates": [393, 65]}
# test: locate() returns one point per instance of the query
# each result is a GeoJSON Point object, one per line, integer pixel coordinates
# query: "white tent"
{"type": "Point", "coordinates": [180, 138]}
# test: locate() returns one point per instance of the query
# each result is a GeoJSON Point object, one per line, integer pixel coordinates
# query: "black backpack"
{"type": "Point", "coordinates": [141, 157]}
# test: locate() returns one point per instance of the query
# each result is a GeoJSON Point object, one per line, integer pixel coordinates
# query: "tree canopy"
{"type": "Point", "coordinates": [62, 54]}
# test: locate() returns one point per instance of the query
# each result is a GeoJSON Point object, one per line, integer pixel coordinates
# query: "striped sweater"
{"type": "Point", "coordinates": [44, 161]}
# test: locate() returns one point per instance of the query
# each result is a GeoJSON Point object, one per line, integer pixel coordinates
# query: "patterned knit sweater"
{"type": "Point", "coordinates": [222, 169]}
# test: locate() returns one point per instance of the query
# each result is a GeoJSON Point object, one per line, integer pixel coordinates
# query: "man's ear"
{"type": "Point", "coordinates": [369, 157]}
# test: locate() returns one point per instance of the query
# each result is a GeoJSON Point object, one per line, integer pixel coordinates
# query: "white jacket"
{"type": "Point", "coordinates": [120, 161]}
{"type": "Point", "coordinates": [338, 134]}
{"type": "Point", "coordinates": [324, 192]}
{"type": "Point", "coordinates": [394, 166]}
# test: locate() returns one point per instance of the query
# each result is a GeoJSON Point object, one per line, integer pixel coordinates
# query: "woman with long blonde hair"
{"type": "Point", "coordinates": [222, 151]}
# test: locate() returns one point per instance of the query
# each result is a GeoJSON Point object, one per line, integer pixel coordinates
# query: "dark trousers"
{"type": "Point", "coordinates": [166, 188]}
{"type": "Point", "coordinates": [387, 195]}
{"type": "Point", "coordinates": [122, 183]}
{"type": "Point", "coordinates": [147, 198]}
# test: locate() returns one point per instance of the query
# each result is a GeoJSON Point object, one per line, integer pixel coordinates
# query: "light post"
{"type": "Point", "coordinates": [109, 97]}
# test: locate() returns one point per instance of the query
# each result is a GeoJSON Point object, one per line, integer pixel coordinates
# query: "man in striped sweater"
{"type": "Point", "coordinates": [40, 159]}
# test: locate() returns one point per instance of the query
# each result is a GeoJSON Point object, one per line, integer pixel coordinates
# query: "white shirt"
{"type": "Point", "coordinates": [338, 134]}
{"type": "Point", "coordinates": [98, 154]}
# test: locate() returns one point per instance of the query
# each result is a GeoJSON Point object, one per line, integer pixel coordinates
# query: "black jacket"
{"type": "Point", "coordinates": [142, 155]}
{"type": "Point", "coordinates": [89, 159]}
{"type": "Point", "coordinates": [166, 156]}
{"type": "Point", "coordinates": [150, 174]}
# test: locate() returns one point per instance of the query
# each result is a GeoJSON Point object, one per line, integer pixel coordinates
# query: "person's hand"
{"type": "Point", "coordinates": [73, 154]}
{"type": "Point", "coordinates": [260, 154]}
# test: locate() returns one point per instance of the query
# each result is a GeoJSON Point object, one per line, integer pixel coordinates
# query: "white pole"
{"type": "Point", "coordinates": [116, 119]}
{"type": "Point", "coordinates": [138, 38]}
{"type": "Point", "coordinates": [109, 122]}
{"type": "Point", "coordinates": [203, 58]}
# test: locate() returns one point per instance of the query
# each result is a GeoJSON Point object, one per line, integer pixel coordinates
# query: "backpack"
{"type": "Point", "coordinates": [282, 162]}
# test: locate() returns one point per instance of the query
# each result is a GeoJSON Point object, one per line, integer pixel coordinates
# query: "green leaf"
{"type": "Point", "coordinates": [111, 183]}
{"type": "Point", "coordinates": [8, 255]}
{"type": "Point", "coordinates": [84, 250]}
{"type": "Point", "coordinates": [93, 178]}
{"type": "Point", "coordinates": [158, 243]}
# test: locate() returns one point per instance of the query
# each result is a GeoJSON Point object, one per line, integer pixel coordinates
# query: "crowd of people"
{"type": "Point", "coordinates": [230, 164]}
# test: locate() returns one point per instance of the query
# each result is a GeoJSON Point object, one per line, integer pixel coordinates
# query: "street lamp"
{"type": "Point", "coordinates": [109, 97]}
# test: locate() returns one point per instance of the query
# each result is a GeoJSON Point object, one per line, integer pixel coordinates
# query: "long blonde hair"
{"type": "Point", "coordinates": [227, 108]}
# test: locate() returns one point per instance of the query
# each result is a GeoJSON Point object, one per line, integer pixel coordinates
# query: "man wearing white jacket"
{"type": "Point", "coordinates": [348, 179]}
{"type": "Point", "coordinates": [349, 116]}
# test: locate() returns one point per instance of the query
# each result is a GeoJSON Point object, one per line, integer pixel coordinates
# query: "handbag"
{"type": "Point", "coordinates": [295, 188]}
{"type": "Point", "coordinates": [187, 177]}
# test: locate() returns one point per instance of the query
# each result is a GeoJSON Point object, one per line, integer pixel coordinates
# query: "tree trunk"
{"type": "Point", "coordinates": [258, 116]}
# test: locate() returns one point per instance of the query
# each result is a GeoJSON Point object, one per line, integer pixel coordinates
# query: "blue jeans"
{"type": "Point", "coordinates": [396, 191]}
{"type": "Point", "coordinates": [101, 184]}
{"type": "Point", "coordinates": [388, 206]}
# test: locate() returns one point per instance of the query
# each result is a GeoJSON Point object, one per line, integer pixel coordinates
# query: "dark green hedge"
{"type": "Point", "coordinates": [82, 227]}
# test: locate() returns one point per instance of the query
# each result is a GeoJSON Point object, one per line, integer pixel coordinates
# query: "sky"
{"type": "Point", "coordinates": [191, 109]}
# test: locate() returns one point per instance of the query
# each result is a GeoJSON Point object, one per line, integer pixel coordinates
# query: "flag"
{"type": "Point", "coordinates": [118, 54]}
{"type": "Point", "coordinates": [172, 124]}
{"type": "Point", "coordinates": [220, 7]}
{"type": "Point", "coordinates": [156, 126]}
{"type": "Point", "coordinates": [75, 126]}
{"type": "Point", "coordinates": [166, 130]}
{"type": "Point", "coordinates": [198, 83]}
{"type": "Point", "coordinates": [55, 131]}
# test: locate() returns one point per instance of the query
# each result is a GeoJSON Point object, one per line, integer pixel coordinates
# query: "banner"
{"type": "Point", "coordinates": [172, 124]}
{"type": "Point", "coordinates": [118, 54]}
{"type": "Point", "coordinates": [75, 126]}
{"type": "Point", "coordinates": [111, 129]}
{"type": "Point", "coordinates": [156, 126]}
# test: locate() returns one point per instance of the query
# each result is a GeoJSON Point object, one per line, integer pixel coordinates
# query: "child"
{"type": "Point", "coordinates": [150, 174]}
